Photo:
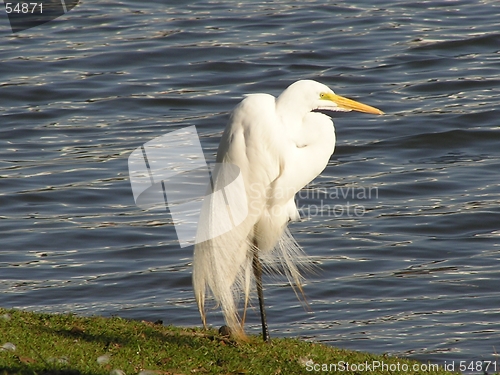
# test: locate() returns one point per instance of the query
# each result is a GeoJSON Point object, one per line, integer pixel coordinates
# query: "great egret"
{"type": "Point", "coordinates": [279, 145]}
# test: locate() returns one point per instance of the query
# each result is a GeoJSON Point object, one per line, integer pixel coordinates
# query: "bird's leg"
{"type": "Point", "coordinates": [257, 271]}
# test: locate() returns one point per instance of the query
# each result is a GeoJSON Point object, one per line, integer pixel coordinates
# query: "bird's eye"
{"type": "Point", "coordinates": [322, 95]}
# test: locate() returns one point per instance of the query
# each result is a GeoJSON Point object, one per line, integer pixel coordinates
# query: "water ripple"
{"type": "Point", "coordinates": [414, 275]}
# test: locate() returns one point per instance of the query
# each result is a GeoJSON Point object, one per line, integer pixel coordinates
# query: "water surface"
{"type": "Point", "coordinates": [416, 274]}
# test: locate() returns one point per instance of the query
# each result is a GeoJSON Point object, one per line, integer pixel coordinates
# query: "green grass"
{"type": "Point", "coordinates": [66, 344]}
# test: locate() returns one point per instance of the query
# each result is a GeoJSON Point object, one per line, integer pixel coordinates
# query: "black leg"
{"type": "Point", "coordinates": [257, 271]}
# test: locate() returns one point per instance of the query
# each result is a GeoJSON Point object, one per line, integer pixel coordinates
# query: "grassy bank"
{"type": "Point", "coordinates": [33, 343]}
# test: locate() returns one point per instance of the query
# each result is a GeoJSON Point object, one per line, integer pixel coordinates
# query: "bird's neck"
{"type": "Point", "coordinates": [291, 115]}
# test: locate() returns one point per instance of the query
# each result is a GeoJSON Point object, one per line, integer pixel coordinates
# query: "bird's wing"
{"type": "Point", "coordinates": [223, 263]}
{"type": "Point", "coordinates": [251, 140]}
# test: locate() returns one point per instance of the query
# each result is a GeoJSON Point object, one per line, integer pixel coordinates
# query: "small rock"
{"type": "Point", "coordinates": [305, 361]}
{"type": "Point", "coordinates": [8, 346]}
{"type": "Point", "coordinates": [62, 360]}
{"type": "Point", "coordinates": [116, 372]}
{"type": "Point", "coordinates": [225, 331]}
{"type": "Point", "coordinates": [103, 359]}
{"type": "Point", "coordinates": [5, 317]}
{"type": "Point", "coordinates": [148, 372]}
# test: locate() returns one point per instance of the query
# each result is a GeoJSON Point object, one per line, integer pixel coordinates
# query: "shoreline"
{"type": "Point", "coordinates": [67, 344]}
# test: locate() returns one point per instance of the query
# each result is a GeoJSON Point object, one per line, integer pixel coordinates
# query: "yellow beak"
{"type": "Point", "coordinates": [352, 104]}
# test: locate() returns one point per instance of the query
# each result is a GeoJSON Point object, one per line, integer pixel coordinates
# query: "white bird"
{"type": "Point", "coordinates": [279, 145]}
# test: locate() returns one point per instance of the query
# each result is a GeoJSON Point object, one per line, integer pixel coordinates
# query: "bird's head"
{"type": "Point", "coordinates": [315, 96]}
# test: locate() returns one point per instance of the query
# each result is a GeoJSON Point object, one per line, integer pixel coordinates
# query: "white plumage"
{"type": "Point", "coordinates": [279, 146]}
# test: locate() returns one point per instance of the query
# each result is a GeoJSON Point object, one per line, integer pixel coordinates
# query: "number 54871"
{"type": "Point", "coordinates": [23, 7]}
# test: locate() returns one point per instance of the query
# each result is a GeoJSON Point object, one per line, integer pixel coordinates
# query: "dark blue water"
{"type": "Point", "coordinates": [413, 272]}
